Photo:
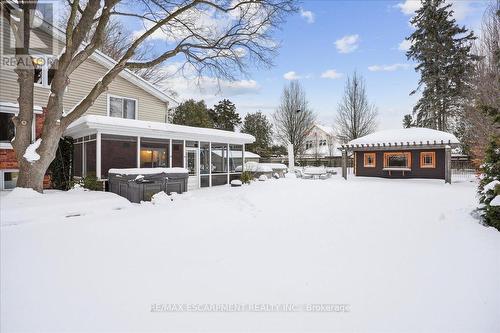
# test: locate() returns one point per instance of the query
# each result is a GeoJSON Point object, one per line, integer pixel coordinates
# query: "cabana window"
{"type": "Point", "coordinates": [428, 159]}
{"type": "Point", "coordinates": [369, 160]}
{"type": "Point", "coordinates": [399, 160]}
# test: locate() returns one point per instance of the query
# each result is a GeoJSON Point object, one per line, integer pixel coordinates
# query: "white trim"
{"type": "Point", "coordinates": [170, 153]}
{"type": "Point", "coordinates": [210, 164]}
{"type": "Point", "coordinates": [184, 154]}
{"type": "Point", "coordinates": [138, 151]}
{"type": "Point", "coordinates": [108, 96]}
{"type": "Point", "coordinates": [15, 111]}
{"type": "Point", "coordinates": [8, 107]}
{"type": "Point", "coordinates": [98, 155]}
{"type": "Point", "coordinates": [128, 127]}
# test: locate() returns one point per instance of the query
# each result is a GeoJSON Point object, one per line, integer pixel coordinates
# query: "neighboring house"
{"type": "Point", "coordinates": [125, 128]}
{"type": "Point", "coordinates": [403, 153]}
{"type": "Point", "coordinates": [320, 143]}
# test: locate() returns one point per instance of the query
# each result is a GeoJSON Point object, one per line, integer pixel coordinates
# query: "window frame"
{"type": "Point", "coordinates": [15, 112]}
{"type": "Point", "coordinates": [389, 154]}
{"type": "Point", "coordinates": [45, 71]}
{"type": "Point", "coordinates": [108, 105]}
{"type": "Point", "coordinates": [365, 160]}
{"type": "Point", "coordinates": [2, 178]}
{"type": "Point", "coordinates": [423, 155]}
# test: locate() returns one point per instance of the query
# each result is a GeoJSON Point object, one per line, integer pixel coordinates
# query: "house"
{"type": "Point", "coordinates": [402, 153]}
{"type": "Point", "coordinates": [320, 143]}
{"type": "Point", "coordinates": [125, 128]}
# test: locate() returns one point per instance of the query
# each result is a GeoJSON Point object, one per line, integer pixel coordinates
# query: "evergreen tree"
{"type": "Point", "coordinates": [408, 121]}
{"type": "Point", "coordinates": [260, 127]}
{"type": "Point", "coordinates": [224, 115]}
{"type": "Point", "coordinates": [489, 186]}
{"type": "Point", "coordinates": [192, 113]}
{"type": "Point", "coordinates": [442, 51]}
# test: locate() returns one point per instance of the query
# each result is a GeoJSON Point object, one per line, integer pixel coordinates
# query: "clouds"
{"type": "Point", "coordinates": [461, 8]}
{"type": "Point", "coordinates": [404, 45]}
{"type": "Point", "coordinates": [347, 44]}
{"type": "Point", "coordinates": [409, 6]}
{"type": "Point", "coordinates": [187, 84]}
{"type": "Point", "coordinates": [307, 15]}
{"type": "Point", "coordinates": [387, 68]}
{"type": "Point", "coordinates": [331, 74]}
{"type": "Point", "coordinates": [291, 76]}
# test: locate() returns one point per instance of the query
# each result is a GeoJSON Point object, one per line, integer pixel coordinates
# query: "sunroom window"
{"type": "Point", "coordinates": [122, 107]}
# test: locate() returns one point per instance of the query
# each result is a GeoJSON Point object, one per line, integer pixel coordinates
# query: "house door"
{"type": "Point", "coordinates": [193, 167]}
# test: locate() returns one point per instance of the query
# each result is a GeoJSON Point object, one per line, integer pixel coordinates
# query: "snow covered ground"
{"type": "Point", "coordinates": [401, 255]}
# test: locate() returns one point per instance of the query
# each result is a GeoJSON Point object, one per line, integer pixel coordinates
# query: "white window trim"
{"type": "Point", "coordinates": [122, 97]}
{"type": "Point", "coordinates": [8, 145]}
{"type": "Point", "coordinates": [2, 181]}
{"type": "Point", "coordinates": [45, 72]}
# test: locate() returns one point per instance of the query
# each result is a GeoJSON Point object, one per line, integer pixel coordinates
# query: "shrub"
{"type": "Point", "coordinates": [490, 174]}
{"type": "Point", "coordinates": [90, 183]}
{"type": "Point", "coordinates": [60, 168]}
{"type": "Point", "coordinates": [246, 177]}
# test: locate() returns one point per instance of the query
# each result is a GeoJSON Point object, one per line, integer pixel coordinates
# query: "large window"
{"type": "Point", "coordinates": [235, 157]}
{"type": "Point", "coordinates": [7, 130]}
{"type": "Point", "coordinates": [43, 73]}
{"type": "Point", "coordinates": [397, 160]}
{"type": "Point", "coordinates": [204, 158]}
{"type": "Point", "coordinates": [428, 160]}
{"type": "Point", "coordinates": [369, 160]}
{"type": "Point", "coordinates": [154, 153]}
{"type": "Point", "coordinates": [219, 158]}
{"type": "Point", "coordinates": [122, 107]}
{"type": "Point", "coordinates": [117, 152]}
{"type": "Point", "coordinates": [178, 153]}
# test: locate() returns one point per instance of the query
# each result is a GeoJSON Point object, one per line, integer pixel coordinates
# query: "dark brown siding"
{"type": "Point", "coordinates": [416, 171]}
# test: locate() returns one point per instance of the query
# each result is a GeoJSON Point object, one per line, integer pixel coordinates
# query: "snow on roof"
{"type": "Point", "coordinates": [235, 154]}
{"type": "Point", "coordinates": [405, 135]}
{"type": "Point", "coordinates": [90, 124]}
{"type": "Point", "coordinates": [327, 129]}
{"type": "Point", "coordinates": [147, 171]}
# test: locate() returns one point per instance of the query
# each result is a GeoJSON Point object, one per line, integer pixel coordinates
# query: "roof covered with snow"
{"type": "Point", "coordinates": [92, 124]}
{"type": "Point", "coordinates": [327, 129]}
{"type": "Point", "coordinates": [415, 135]}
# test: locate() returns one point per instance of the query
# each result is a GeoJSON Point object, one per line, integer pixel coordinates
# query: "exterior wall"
{"type": "Point", "coordinates": [416, 171]}
{"type": "Point", "coordinates": [317, 151]}
{"type": "Point", "coordinates": [150, 108]}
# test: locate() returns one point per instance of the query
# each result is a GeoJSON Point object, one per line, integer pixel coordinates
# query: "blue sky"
{"type": "Point", "coordinates": [332, 39]}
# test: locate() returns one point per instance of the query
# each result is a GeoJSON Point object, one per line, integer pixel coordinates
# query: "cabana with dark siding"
{"type": "Point", "coordinates": [402, 153]}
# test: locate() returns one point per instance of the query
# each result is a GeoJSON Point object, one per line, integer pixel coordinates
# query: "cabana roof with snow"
{"type": "Point", "coordinates": [211, 156]}
{"type": "Point", "coordinates": [402, 153]}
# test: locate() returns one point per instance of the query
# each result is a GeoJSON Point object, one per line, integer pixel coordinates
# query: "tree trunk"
{"type": "Point", "coordinates": [31, 176]}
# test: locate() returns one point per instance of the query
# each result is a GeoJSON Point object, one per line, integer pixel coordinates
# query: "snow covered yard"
{"type": "Point", "coordinates": [405, 255]}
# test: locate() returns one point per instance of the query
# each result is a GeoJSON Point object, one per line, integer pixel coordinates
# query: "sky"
{"type": "Point", "coordinates": [324, 43]}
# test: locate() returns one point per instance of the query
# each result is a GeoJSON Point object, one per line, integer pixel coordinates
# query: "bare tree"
{"type": "Point", "coordinates": [356, 117]}
{"type": "Point", "coordinates": [236, 34]}
{"type": "Point", "coordinates": [293, 119]}
{"type": "Point", "coordinates": [477, 124]}
{"type": "Point", "coordinates": [116, 41]}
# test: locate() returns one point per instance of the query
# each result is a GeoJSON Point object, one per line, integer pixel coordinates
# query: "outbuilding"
{"type": "Point", "coordinates": [402, 153]}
